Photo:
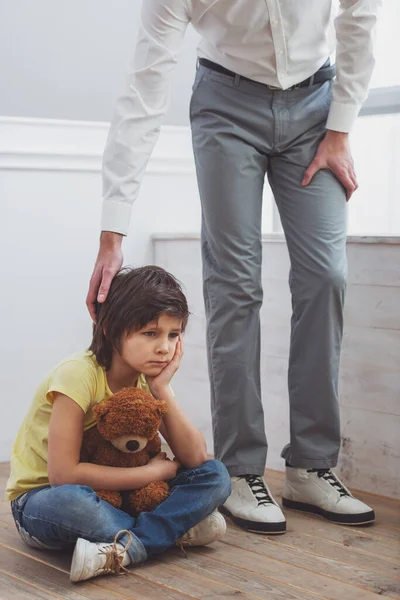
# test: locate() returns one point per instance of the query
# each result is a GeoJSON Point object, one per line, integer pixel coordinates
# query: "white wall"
{"type": "Point", "coordinates": [375, 207]}
{"type": "Point", "coordinates": [67, 60]}
{"type": "Point", "coordinates": [50, 192]}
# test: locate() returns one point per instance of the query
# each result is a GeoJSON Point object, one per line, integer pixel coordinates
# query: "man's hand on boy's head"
{"type": "Point", "coordinates": [159, 385]}
{"type": "Point", "coordinates": [108, 263]}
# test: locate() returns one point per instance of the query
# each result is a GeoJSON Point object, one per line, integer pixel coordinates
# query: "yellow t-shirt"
{"type": "Point", "coordinates": [81, 378]}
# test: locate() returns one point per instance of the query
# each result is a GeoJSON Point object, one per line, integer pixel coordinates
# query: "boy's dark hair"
{"type": "Point", "coordinates": [136, 297]}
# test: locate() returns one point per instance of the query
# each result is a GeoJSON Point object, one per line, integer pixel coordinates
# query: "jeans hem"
{"type": "Point", "coordinates": [136, 551]}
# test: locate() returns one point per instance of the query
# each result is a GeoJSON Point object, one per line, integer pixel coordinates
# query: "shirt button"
{"type": "Point", "coordinates": [280, 52]}
{"type": "Point", "coordinates": [275, 22]}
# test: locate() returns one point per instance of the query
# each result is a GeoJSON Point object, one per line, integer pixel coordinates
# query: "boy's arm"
{"type": "Point", "coordinates": [65, 440]}
{"type": "Point", "coordinates": [185, 440]}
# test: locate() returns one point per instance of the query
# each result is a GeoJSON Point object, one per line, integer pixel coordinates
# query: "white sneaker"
{"type": "Point", "coordinates": [209, 530]}
{"type": "Point", "coordinates": [252, 507]}
{"type": "Point", "coordinates": [93, 559]}
{"type": "Point", "coordinates": [321, 492]}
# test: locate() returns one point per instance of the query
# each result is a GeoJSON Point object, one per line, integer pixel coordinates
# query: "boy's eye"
{"type": "Point", "coordinates": [149, 333]}
{"type": "Point", "coordinates": [173, 335]}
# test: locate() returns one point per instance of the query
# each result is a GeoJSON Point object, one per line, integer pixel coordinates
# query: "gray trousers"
{"type": "Point", "coordinates": [241, 131]}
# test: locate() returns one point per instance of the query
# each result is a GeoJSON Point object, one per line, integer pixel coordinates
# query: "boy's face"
{"type": "Point", "coordinates": [150, 349]}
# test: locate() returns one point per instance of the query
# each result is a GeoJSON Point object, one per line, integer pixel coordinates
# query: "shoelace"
{"type": "Point", "coordinates": [115, 556]}
{"type": "Point", "coordinates": [258, 488]}
{"type": "Point", "coordinates": [331, 479]}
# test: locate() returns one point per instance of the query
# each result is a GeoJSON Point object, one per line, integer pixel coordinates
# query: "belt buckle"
{"type": "Point", "coordinates": [273, 87]}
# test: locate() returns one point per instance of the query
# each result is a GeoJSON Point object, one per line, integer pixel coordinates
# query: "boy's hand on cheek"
{"type": "Point", "coordinates": [160, 384]}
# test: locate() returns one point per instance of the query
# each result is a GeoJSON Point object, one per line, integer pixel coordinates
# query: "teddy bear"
{"type": "Point", "coordinates": [126, 435]}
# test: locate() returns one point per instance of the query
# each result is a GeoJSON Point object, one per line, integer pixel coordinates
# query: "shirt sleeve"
{"type": "Point", "coordinates": [75, 380]}
{"type": "Point", "coordinates": [136, 122]}
{"type": "Point", "coordinates": [355, 34]}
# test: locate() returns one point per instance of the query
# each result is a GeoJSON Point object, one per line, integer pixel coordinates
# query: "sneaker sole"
{"type": "Point", "coordinates": [362, 519]}
{"type": "Point", "coordinates": [255, 526]}
{"type": "Point", "coordinates": [77, 570]}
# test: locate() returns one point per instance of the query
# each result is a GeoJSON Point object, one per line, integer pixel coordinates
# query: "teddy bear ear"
{"type": "Point", "coordinates": [100, 411]}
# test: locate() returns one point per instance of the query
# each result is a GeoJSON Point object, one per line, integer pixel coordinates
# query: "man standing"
{"type": "Point", "coordinates": [264, 102]}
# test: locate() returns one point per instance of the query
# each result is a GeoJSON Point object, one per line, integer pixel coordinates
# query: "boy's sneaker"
{"type": "Point", "coordinates": [93, 559]}
{"type": "Point", "coordinates": [321, 492]}
{"type": "Point", "coordinates": [252, 507]}
{"type": "Point", "coordinates": [209, 530]}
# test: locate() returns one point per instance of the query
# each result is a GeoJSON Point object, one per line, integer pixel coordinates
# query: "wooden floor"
{"type": "Point", "coordinates": [314, 559]}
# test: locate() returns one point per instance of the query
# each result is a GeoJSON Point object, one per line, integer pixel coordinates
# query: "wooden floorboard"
{"type": "Point", "coordinates": [313, 560]}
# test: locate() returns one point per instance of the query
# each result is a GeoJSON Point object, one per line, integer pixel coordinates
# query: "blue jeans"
{"type": "Point", "coordinates": [55, 517]}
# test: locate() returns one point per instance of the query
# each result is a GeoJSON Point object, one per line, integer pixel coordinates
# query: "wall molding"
{"type": "Point", "coordinates": [77, 146]}
{"type": "Point", "coordinates": [382, 101]}
{"type": "Point", "coordinates": [278, 238]}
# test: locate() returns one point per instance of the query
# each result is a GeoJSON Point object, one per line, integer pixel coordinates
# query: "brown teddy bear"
{"type": "Point", "coordinates": [126, 435]}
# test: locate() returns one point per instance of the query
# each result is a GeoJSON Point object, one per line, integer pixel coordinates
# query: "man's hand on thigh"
{"type": "Point", "coordinates": [334, 154]}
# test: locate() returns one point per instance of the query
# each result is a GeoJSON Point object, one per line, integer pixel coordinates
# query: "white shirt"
{"type": "Point", "coordinates": [277, 42]}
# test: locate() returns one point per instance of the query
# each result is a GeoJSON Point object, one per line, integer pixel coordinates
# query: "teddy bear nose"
{"type": "Point", "coordinates": [132, 445]}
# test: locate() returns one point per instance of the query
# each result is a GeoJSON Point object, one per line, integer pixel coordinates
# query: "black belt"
{"type": "Point", "coordinates": [325, 73]}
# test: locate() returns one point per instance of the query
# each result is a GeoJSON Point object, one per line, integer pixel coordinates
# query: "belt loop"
{"type": "Point", "coordinates": [311, 80]}
{"type": "Point", "coordinates": [236, 81]}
